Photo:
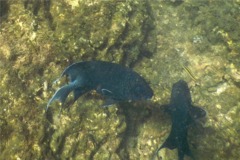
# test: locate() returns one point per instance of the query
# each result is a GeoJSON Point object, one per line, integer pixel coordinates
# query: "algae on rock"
{"type": "Point", "coordinates": [193, 40]}
{"type": "Point", "coordinates": [39, 39]}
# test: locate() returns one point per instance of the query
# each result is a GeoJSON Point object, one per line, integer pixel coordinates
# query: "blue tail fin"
{"type": "Point", "coordinates": [62, 93]}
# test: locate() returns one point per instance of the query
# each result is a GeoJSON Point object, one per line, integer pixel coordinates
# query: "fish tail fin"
{"type": "Point", "coordinates": [61, 94]}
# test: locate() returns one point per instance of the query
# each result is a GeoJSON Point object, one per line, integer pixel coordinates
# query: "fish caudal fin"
{"type": "Point", "coordinates": [61, 94]}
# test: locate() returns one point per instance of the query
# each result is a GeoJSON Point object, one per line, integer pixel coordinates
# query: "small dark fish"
{"type": "Point", "coordinates": [183, 114]}
{"type": "Point", "coordinates": [113, 81]}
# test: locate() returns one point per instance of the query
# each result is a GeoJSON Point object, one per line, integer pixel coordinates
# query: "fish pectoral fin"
{"type": "Point", "coordinates": [106, 92]}
{"type": "Point", "coordinates": [197, 112]}
{"type": "Point", "coordinates": [61, 94]}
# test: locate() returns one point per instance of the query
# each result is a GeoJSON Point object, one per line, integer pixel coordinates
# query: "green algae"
{"type": "Point", "coordinates": [157, 38]}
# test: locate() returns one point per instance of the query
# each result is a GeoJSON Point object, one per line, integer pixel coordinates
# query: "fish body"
{"type": "Point", "coordinates": [113, 81]}
{"type": "Point", "coordinates": [183, 114]}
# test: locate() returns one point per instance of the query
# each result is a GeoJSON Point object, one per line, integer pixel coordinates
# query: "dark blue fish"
{"type": "Point", "coordinates": [183, 114]}
{"type": "Point", "coordinates": [115, 82]}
